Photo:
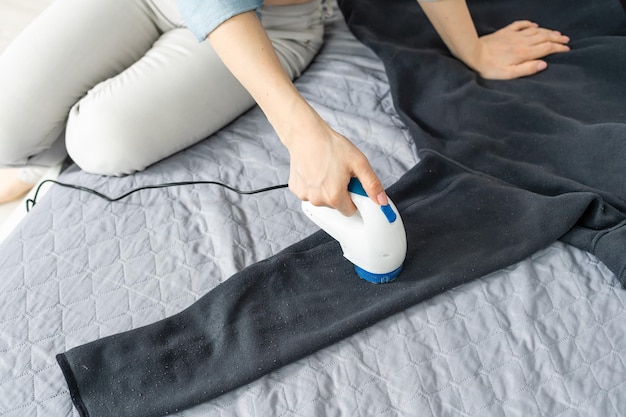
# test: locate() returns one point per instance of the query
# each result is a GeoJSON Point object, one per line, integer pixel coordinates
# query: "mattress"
{"type": "Point", "coordinates": [545, 336]}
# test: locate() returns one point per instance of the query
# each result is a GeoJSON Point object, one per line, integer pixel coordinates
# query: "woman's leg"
{"type": "Point", "coordinates": [66, 51]}
{"type": "Point", "coordinates": [69, 48]}
{"type": "Point", "coordinates": [177, 94]}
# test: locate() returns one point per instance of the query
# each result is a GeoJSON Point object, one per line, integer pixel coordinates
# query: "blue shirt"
{"type": "Point", "coordinates": [203, 16]}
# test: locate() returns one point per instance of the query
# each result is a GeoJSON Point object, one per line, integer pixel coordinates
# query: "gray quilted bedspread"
{"type": "Point", "coordinates": [545, 337]}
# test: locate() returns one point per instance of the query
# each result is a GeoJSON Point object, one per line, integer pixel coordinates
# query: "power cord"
{"type": "Point", "coordinates": [31, 202]}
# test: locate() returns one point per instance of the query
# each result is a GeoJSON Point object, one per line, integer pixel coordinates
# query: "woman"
{"type": "Point", "coordinates": [135, 86]}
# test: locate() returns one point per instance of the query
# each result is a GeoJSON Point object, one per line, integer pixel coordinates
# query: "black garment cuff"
{"type": "Point", "coordinates": [72, 385]}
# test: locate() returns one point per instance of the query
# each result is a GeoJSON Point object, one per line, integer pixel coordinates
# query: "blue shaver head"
{"type": "Point", "coordinates": [377, 278]}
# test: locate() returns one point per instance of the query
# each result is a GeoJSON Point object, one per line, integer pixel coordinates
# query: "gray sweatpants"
{"type": "Point", "coordinates": [121, 84]}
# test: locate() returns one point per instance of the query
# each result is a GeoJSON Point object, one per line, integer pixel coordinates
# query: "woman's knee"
{"type": "Point", "coordinates": [103, 140]}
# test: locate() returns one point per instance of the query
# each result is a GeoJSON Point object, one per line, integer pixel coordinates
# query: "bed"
{"type": "Point", "coordinates": [543, 336]}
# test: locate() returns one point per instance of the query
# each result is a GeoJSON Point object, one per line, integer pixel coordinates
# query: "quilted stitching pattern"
{"type": "Point", "coordinates": [544, 337]}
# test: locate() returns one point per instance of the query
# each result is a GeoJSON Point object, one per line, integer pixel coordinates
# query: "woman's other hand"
{"type": "Point", "coordinates": [516, 50]}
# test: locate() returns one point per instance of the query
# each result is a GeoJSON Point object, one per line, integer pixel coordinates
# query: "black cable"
{"type": "Point", "coordinates": [30, 203]}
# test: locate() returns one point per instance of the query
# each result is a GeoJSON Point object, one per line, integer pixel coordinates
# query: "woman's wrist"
{"type": "Point", "coordinates": [471, 54]}
{"type": "Point", "coordinates": [294, 120]}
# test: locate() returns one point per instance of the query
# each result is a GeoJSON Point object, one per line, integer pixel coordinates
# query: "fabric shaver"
{"type": "Point", "coordinates": [373, 239]}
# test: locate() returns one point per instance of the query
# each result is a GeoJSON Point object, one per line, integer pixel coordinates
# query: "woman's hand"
{"type": "Point", "coordinates": [322, 163]}
{"type": "Point", "coordinates": [515, 51]}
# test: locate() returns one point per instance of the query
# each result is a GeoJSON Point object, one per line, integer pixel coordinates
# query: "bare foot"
{"type": "Point", "coordinates": [12, 186]}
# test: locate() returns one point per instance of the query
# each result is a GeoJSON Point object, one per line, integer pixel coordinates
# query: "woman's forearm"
{"type": "Point", "coordinates": [243, 45]}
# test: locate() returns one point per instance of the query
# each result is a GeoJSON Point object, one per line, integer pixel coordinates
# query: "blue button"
{"type": "Point", "coordinates": [389, 213]}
